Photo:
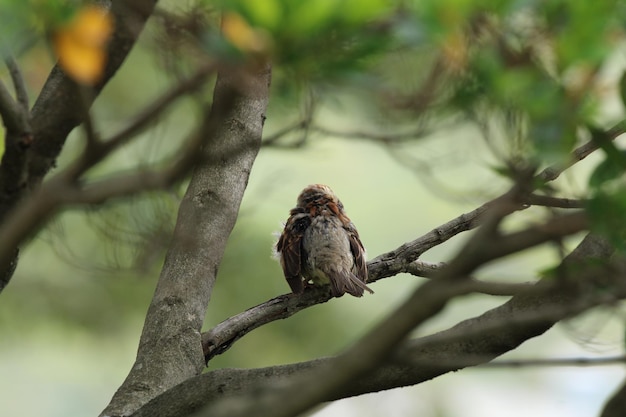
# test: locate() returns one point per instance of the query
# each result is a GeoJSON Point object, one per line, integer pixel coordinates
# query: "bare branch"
{"type": "Point", "coordinates": [553, 172]}
{"type": "Point", "coordinates": [548, 201]}
{"type": "Point", "coordinates": [136, 182]}
{"type": "Point", "coordinates": [220, 338]}
{"type": "Point", "coordinates": [12, 114]}
{"type": "Point", "coordinates": [428, 300]}
{"type": "Point", "coordinates": [477, 340]}
{"type": "Point", "coordinates": [18, 82]}
{"type": "Point", "coordinates": [275, 137]}
{"type": "Point", "coordinates": [387, 138]}
{"type": "Point", "coordinates": [92, 137]}
{"type": "Point", "coordinates": [57, 111]}
{"type": "Point", "coordinates": [556, 362]}
{"type": "Point", "coordinates": [552, 230]}
{"type": "Point", "coordinates": [16, 177]}
{"type": "Point", "coordinates": [59, 108]}
{"type": "Point", "coordinates": [429, 270]}
{"type": "Point", "coordinates": [420, 101]}
{"type": "Point", "coordinates": [384, 138]}
{"type": "Point", "coordinates": [63, 190]}
{"type": "Point", "coordinates": [101, 149]}
{"type": "Point", "coordinates": [158, 106]}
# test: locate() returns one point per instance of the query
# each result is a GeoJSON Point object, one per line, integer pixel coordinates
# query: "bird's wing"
{"type": "Point", "coordinates": [358, 252]}
{"type": "Point", "coordinates": [290, 248]}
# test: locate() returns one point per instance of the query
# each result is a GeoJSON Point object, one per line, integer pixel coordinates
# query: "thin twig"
{"type": "Point", "coordinates": [18, 82]}
{"type": "Point", "coordinates": [93, 139]}
{"type": "Point", "coordinates": [384, 138]}
{"type": "Point", "coordinates": [429, 270]}
{"type": "Point", "coordinates": [556, 202]}
{"type": "Point", "coordinates": [62, 189]}
{"type": "Point", "coordinates": [10, 111]}
{"type": "Point", "coordinates": [101, 149]}
{"type": "Point", "coordinates": [271, 140]}
{"type": "Point", "coordinates": [552, 172]}
{"type": "Point", "coordinates": [143, 119]}
{"type": "Point", "coordinates": [519, 363]}
{"type": "Point", "coordinates": [140, 181]}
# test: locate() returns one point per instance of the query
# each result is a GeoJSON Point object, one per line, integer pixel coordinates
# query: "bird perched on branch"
{"type": "Point", "coordinates": [320, 244]}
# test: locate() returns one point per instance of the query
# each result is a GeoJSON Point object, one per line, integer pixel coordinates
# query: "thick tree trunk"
{"type": "Point", "coordinates": [170, 349]}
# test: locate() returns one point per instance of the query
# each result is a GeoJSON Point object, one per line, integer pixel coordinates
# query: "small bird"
{"type": "Point", "coordinates": [320, 244]}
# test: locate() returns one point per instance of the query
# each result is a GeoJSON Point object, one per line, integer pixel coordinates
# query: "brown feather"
{"type": "Point", "coordinates": [358, 252]}
{"type": "Point", "coordinates": [290, 248]}
{"type": "Point", "coordinates": [318, 207]}
{"type": "Point", "coordinates": [341, 283]}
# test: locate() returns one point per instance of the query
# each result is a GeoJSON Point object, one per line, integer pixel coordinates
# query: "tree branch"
{"type": "Point", "coordinates": [556, 362]}
{"type": "Point", "coordinates": [12, 115]}
{"type": "Point", "coordinates": [59, 107]}
{"type": "Point", "coordinates": [553, 172]}
{"type": "Point", "coordinates": [57, 111]}
{"type": "Point", "coordinates": [21, 93]}
{"type": "Point", "coordinates": [425, 302]}
{"type": "Point", "coordinates": [429, 270]}
{"type": "Point", "coordinates": [99, 150]}
{"type": "Point", "coordinates": [220, 338]}
{"type": "Point", "coordinates": [549, 201]}
{"type": "Point", "coordinates": [475, 341]}
{"type": "Point", "coordinates": [158, 106]}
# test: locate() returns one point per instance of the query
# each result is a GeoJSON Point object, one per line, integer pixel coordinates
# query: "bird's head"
{"type": "Point", "coordinates": [318, 197]}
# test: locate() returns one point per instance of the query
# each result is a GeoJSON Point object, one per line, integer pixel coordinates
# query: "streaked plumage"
{"type": "Point", "coordinates": [320, 244]}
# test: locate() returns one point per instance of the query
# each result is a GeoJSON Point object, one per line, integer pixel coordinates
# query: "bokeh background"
{"type": "Point", "coordinates": [70, 319]}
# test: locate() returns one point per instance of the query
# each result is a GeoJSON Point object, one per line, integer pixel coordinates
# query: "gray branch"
{"type": "Point", "coordinates": [59, 108]}
{"type": "Point", "coordinates": [19, 85]}
{"type": "Point", "coordinates": [469, 343]}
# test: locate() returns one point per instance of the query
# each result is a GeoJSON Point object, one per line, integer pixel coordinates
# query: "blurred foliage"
{"type": "Point", "coordinates": [530, 78]}
{"type": "Point", "coordinates": [80, 44]}
{"type": "Point", "coordinates": [525, 73]}
{"type": "Point", "coordinates": [331, 28]}
{"type": "Point", "coordinates": [531, 67]}
{"type": "Point", "coordinates": [22, 22]}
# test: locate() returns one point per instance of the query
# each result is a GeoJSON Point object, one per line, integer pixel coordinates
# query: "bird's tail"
{"type": "Point", "coordinates": [341, 283]}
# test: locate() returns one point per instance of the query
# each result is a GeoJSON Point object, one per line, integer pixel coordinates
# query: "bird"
{"type": "Point", "coordinates": [320, 245]}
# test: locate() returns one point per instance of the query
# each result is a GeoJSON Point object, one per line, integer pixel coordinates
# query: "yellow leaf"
{"type": "Point", "coordinates": [81, 44]}
{"type": "Point", "coordinates": [244, 37]}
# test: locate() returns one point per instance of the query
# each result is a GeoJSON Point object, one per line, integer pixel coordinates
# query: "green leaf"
{"type": "Point", "coordinates": [608, 170]}
{"type": "Point", "coordinates": [606, 210]}
{"type": "Point", "coordinates": [311, 16]}
{"type": "Point", "coordinates": [266, 13]}
{"type": "Point", "coordinates": [361, 11]}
